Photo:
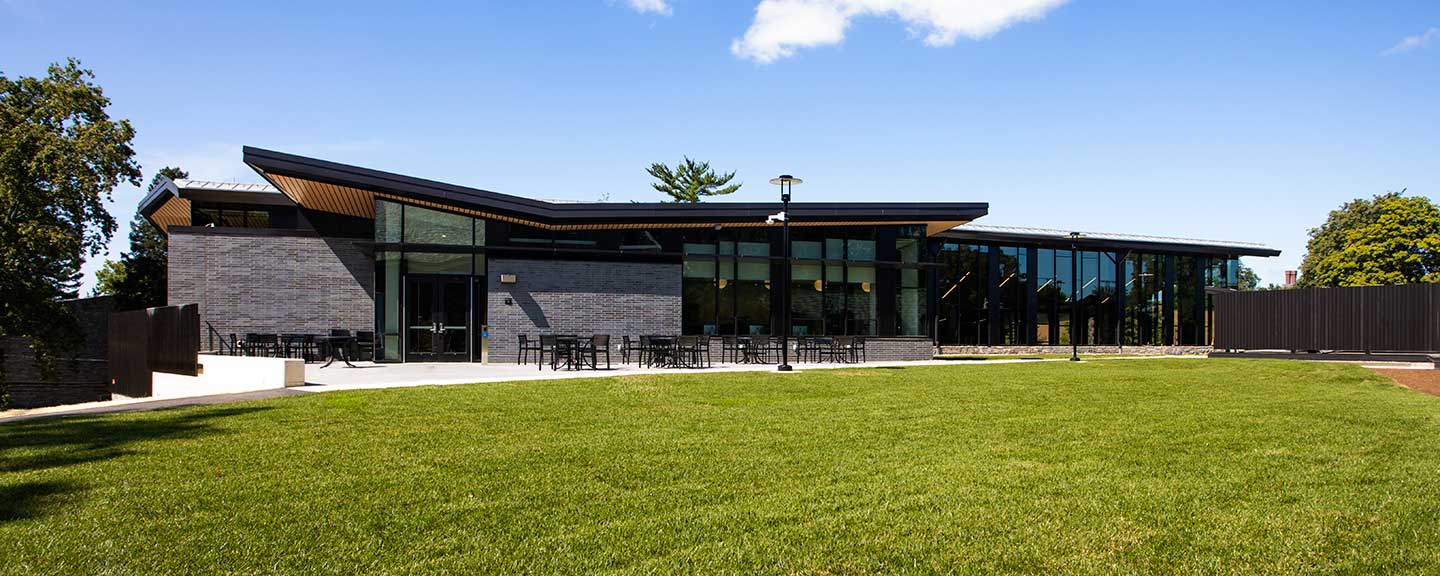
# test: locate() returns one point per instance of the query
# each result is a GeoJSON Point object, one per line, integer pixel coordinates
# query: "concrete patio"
{"type": "Point", "coordinates": [367, 375]}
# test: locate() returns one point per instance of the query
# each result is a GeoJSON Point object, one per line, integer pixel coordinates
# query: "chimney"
{"type": "Point", "coordinates": [1290, 277]}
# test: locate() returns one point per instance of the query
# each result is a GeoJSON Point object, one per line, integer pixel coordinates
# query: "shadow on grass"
{"type": "Point", "coordinates": [57, 443]}
{"type": "Point", "coordinates": [31, 499]}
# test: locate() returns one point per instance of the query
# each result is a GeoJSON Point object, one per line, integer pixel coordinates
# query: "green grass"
{"type": "Point", "coordinates": [1109, 466]}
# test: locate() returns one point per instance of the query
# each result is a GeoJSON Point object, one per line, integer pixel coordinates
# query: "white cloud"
{"type": "Point", "coordinates": [782, 26]}
{"type": "Point", "coordinates": [1415, 42]}
{"type": "Point", "coordinates": [644, 6]}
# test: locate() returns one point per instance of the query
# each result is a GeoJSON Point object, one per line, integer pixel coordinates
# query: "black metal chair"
{"type": "Point", "coordinates": [548, 343]}
{"type": "Point", "coordinates": [687, 351]}
{"type": "Point", "coordinates": [365, 345]}
{"type": "Point", "coordinates": [597, 344]}
{"type": "Point", "coordinates": [628, 346]}
{"type": "Point", "coordinates": [522, 355]}
{"type": "Point", "coordinates": [729, 348]}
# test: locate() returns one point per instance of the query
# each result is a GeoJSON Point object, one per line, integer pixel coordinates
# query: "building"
{"type": "Point", "coordinates": [447, 273]}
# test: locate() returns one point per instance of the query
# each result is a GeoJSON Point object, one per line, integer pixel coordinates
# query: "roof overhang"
{"type": "Point", "coordinates": [1106, 242]}
{"type": "Point", "coordinates": [351, 190]}
{"type": "Point", "coordinates": [164, 207]}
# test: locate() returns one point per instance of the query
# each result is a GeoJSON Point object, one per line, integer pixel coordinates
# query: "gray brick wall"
{"type": "Point", "coordinates": [249, 281]}
{"type": "Point", "coordinates": [84, 378]}
{"type": "Point", "coordinates": [564, 297]}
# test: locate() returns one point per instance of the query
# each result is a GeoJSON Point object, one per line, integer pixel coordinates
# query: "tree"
{"type": "Point", "coordinates": [138, 280]}
{"type": "Point", "coordinates": [60, 156]}
{"type": "Point", "coordinates": [1389, 239]}
{"type": "Point", "coordinates": [690, 181]}
{"type": "Point", "coordinates": [1249, 280]}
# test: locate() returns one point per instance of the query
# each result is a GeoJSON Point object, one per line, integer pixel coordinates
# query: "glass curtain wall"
{"type": "Point", "coordinates": [726, 285]}
{"type": "Point", "coordinates": [963, 315]}
{"type": "Point", "coordinates": [910, 295]}
{"type": "Point", "coordinates": [418, 241]}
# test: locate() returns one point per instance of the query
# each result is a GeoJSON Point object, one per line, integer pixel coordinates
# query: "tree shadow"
{"type": "Point", "coordinates": [31, 499]}
{"type": "Point", "coordinates": [60, 442]}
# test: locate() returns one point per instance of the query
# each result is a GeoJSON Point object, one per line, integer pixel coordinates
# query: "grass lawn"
{"type": "Point", "coordinates": [1109, 466]}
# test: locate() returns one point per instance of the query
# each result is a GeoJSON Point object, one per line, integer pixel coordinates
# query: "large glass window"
{"type": "Point", "coordinates": [1014, 294]}
{"type": "Point", "coordinates": [1144, 303]}
{"type": "Point", "coordinates": [425, 226]}
{"type": "Point", "coordinates": [963, 294]}
{"type": "Point", "coordinates": [387, 304]}
{"type": "Point", "coordinates": [910, 303]}
{"type": "Point", "coordinates": [807, 294]}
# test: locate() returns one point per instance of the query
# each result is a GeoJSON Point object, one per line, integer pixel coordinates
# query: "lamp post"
{"type": "Point", "coordinates": [1074, 298]}
{"type": "Point", "coordinates": [787, 184]}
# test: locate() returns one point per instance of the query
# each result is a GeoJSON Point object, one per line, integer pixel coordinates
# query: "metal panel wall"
{"type": "Point", "coordinates": [164, 339]}
{"type": "Point", "coordinates": [1364, 318]}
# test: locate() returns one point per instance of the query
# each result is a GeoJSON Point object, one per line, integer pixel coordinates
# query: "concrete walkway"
{"type": "Point", "coordinates": [368, 375]}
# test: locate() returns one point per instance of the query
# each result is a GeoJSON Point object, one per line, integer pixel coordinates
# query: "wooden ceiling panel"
{"type": "Point", "coordinates": [361, 203]}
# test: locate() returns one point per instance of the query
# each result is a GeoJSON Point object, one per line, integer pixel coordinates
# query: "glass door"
{"type": "Point", "coordinates": [437, 318]}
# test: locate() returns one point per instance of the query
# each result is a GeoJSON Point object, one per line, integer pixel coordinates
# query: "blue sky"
{"type": "Point", "coordinates": [1225, 120]}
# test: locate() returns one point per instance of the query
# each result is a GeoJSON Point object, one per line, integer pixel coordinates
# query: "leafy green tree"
{"type": "Point", "coordinates": [1249, 280]}
{"type": "Point", "coordinates": [138, 279]}
{"type": "Point", "coordinates": [109, 277]}
{"type": "Point", "coordinates": [1389, 239]}
{"type": "Point", "coordinates": [690, 181]}
{"type": "Point", "coordinates": [60, 157]}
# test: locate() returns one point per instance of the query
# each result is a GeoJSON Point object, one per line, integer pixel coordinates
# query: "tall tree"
{"type": "Point", "coordinates": [1388, 239]}
{"type": "Point", "coordinates": [60, 156]}
{"type": "Point", "coordinates": [138, 280]}
{"type": "Point", "coordinates": [1249, 280]}
{"type": "Point", "coordinates": [690, 181]}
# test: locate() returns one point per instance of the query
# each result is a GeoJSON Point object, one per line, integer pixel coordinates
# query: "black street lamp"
{"type": "Point", "coordinates": [1074, 299]}
{"type": "Point", "coordinates": [787, 184]}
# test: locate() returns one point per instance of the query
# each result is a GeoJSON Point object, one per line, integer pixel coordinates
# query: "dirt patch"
{"type": "Point", "coordinates": [1427, 381]}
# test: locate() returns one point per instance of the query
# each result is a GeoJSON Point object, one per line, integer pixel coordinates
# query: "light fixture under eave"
{"type": "Point", "coordinates": [819, 286]}
{"type": "Point", "coordinates": [865, 287]}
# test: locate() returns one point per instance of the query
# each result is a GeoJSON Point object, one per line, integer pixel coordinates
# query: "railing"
{"type": "Point", "coordinates": [1361, 319]}
{"type": "Point", "coordinates": [227, 347]}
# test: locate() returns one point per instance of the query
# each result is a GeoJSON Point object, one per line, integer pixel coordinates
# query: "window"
{"type": "Point", "coordinates": [425, 226]}
{"type": "Point", "coordinates": [963, 314]}
{"type": "Point", "coordinates": [228, 216]}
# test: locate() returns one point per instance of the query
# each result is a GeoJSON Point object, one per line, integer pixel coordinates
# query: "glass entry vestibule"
{"type": "Point", "coordinates": [429, 285]}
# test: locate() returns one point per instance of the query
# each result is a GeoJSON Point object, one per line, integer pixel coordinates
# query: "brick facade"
{"type": "Point", "coordinates": [82, 379]}
{"type": "Point", "coordinates": [564, 297]}
{"type": "Point", "coordinates": [271, 281]}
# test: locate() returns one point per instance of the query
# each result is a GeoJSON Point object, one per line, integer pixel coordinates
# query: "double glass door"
{"type": "Point", "coordinates": [437, 318]}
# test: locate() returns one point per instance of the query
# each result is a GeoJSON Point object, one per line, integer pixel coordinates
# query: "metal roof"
{"type": "Point", "coordinates": [1047, 234]}
{"type": "Point", "coordinates": [186, 184]}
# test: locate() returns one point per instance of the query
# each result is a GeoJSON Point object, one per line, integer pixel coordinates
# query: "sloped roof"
{"type": "Point", "coordinates": [1108, 239]}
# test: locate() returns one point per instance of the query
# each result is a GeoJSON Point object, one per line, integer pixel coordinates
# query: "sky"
{"type": "Point", "coordinates": [1244, 121]}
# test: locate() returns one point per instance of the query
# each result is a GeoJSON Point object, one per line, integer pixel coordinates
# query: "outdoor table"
{"type": "Point", "coordinates": [571, 350]}
{"type": "Point", "coordinates": [336, 346]}
{"type": "Point", "coordinates": [662, 351]}
{"type": "Point", "coordinates": [749, 353]}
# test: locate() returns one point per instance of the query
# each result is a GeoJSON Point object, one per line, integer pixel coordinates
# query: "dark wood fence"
{"type": "Point", "coordinates": [1404, 318]}
{"type": "Point", "coordinates": [164, 339]}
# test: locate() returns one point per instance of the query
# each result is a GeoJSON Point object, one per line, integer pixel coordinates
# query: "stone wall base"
{"type": "Point", "coordinates": [1126, 350]}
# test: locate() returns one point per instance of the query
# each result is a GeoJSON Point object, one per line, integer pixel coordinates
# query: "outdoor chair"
{"type": "Point", "coordinates": [548, 343]}
{"type": "Point", "coordinates": [365, 345]}
{"type": "Point", "coordinates": [704, 351]}
{"type": "Point", "coordinates": [729, 347]}
{"type": "Point", "coordinates": [760, 349]}
{"type": "Point", "coordinates": [844, 349]}
{"type": "Point", "coordinates": [804, 348]}
{"type": "Point", "coordinates": [628, 346]}
{"type": "Point", "coordinates": [598, 343]}
{"type": "Point", "coordinates": [522, 354]}
{"type": "Point", "coordinates": [687, 351]}
{"type": "Point", "coordinates": [857, 348]}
